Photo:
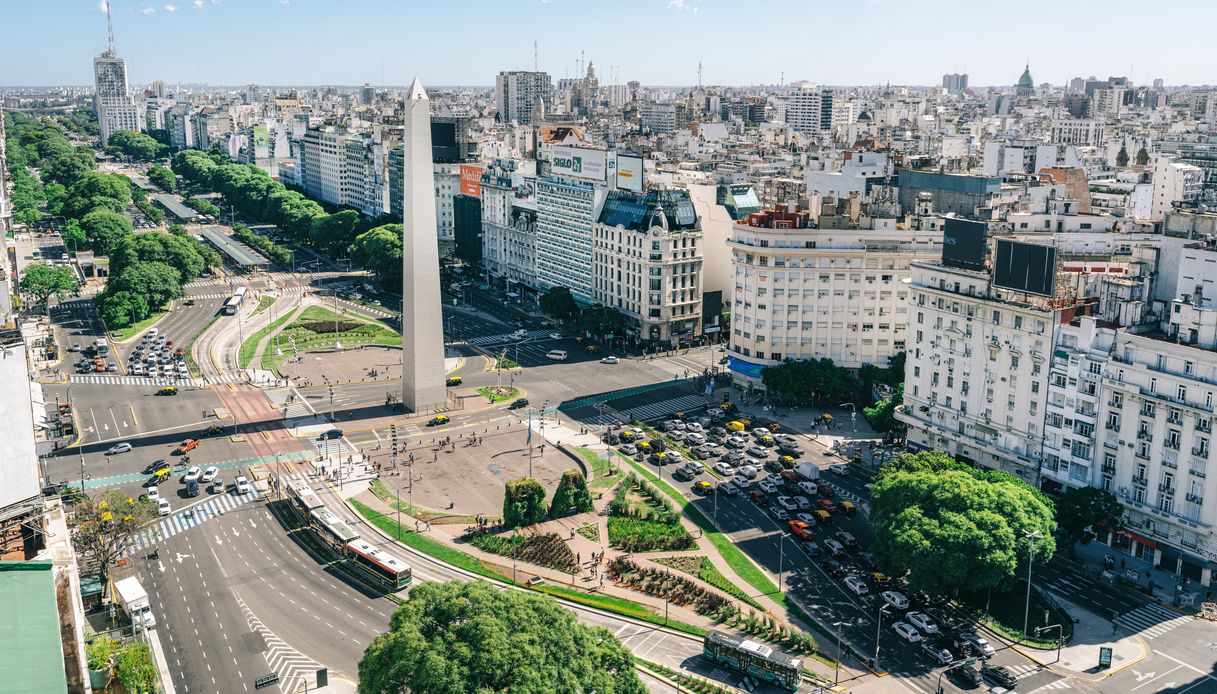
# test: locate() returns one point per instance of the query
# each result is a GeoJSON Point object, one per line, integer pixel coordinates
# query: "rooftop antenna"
{"type": "Point", "coordinates": [535, 60]}
{"type": "Point", "coordinates": [699, 74]}
{"type": "Point", "coordinates": [111, 49]}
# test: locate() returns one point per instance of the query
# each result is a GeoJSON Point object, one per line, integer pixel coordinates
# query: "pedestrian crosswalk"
{"type": "Point", "coordinates": [505, 338]}
{"type": "Point", "coordinates": [1056, 684]}
{"type": "Point", "coordinates": [116, 380]}
{"type": "Point", "coordinates": [186, 519]}
{"type": "Point", "coordinates": [916, 680]}
{"type": "Point", "coordinates": [1150, 621]}
{"type": "Point", "coordinates": [292, 666]}
{"type": "Point", "coordinates": [652, 411]}
{"type": "Point", "coordinates": [328, 447]}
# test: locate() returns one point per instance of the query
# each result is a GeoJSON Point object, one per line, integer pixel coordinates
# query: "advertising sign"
{"type": "Point", "coordinates": [963, 244]}
{"type": "Point", "coordinates": [629, 172]}
{"type": "Point", "coordinates": [579, 162]}
{"type": "Point", "coordinates": [471, 180]}
{"type": "Point", "coordinates": [1104, 657]}
{"type": "Point", "coordinates": [1025, 267]}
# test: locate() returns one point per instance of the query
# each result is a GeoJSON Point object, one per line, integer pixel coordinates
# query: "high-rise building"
{"type": "Point", "coordinates": [809, 110]}
{"type": "Point", "coordinates": [516, 92]}
{"type": "Point", "coordinates": [955, 83]}
{"type": "Point", "coordinates": [658, 118]}
{"type": "Point", "coordinates": [116, 109]}
{"type": "Point", "coordinates": [566, 213]}
{"type": "Point", "coordinates": [422, 343]}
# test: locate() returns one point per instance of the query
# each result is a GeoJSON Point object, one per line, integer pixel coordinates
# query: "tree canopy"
{"type": "Point", "coordinates": [602, 320]}
{"type": "Point", "coordinates": [882, 415]}
{"type": "Point", "coordinates": [42, 281]}
{"type": "Point", "coordinates": [103, 229]}
{"type": "Point", "coordinates": [559, 303]}
{"type": "Point", "coordinates": [102, 524]}
{"type": "Point", "coordinates": [380, 251]}
{"type": "Point", "coordinates": [523, 503]}
{"type": "Point", "coordinates": [97, 191]}
{"type": "Point", "coordinates": [183, 253]}
{"type": "Point", "coordinates": [1081, 508]}
{"type": "Point", "coordinates": [470, 638]}
{"type": "Point", "coordinates": [334, 233]}
{"type": "Point", "coordinates": [812, 380]}
{"type": "Point", "coordinates": [1122, 157]}
{"type": "Point", "coordinates": [136, 145]}
{"type": "Point", "coordinates": [953, 527]}
{"type": "Point", "coordinates": [571, 493]}
{"type": "Point", "coordinates": [157, 282]}
{"type": "Point", "coordinates": [162, 178]}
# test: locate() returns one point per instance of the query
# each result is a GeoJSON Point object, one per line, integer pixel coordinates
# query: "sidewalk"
{"type": "Point", "coordinates": [1166, 585]}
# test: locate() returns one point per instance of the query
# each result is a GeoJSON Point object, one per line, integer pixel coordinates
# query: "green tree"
{"type": "Point", "coordinates": [571, 493]}
{"type": "Point", "coordinates": [602, 320]}
{"type": "Point", "coordinates": [882, 415]}
{"type": "Point", "coordinates": [102, 524]}
{"type": "Point", "coordinates": [43, 281]}
{"type": "Point", "coordinates": [73, 236]}
{"type": "Point", "coordinates": [557, 302]}
{"type": "Point", "coordinates": [334, 233]}
{"type": "Point", "coordinates": [1081, 508]}
{"type": "Point", "coordinates": [1142, 157]}
{"type": "Point", "coordinates": [119, 309]}
{"type": "Point", "coordinates": [155, 281]}
{"type": "Point", "coordinates": [182, 253]}
{"type": "Point", "coordinates": [1122, 157]}
{"type": "Point", "coordinates": [956, 528]}
{"type": "Point", "coordinates": [136, 669]}
{"type": "Point", "coordinates": [66, 169]}
{"type": "Point", "coordinates": [469, 638]}
{"type": "Point", "coordinates": [136, 145]}
{"type": "Point", "coordinates": [162, 178]}
{"type": "Point", "coordinates": [380, 251]}
{"type": "Point", "coordinates": [104, 228]}
{"type": "Point", "coordinates": [94, 191]}
{"type": "Point", "coordinates": [523, 502]}
{"type": "Point", "coordinates": [812, 380]}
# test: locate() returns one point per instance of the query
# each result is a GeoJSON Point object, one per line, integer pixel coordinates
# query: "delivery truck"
{"type": "Point", "coordinates": [132, 597]}
{"type": "Point", "coordinates": [807, 471]}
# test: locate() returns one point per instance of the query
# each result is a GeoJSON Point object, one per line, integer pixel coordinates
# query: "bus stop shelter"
{"type": "Point", "coordinates": [245, 257]}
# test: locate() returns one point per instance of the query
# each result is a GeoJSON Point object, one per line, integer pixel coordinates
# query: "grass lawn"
{"type": "Point", "coordinates": [1005, 614]}
{"type": "Point", "coordinates": [250, 345]}
{"type": "Point", "coordinates": [314, 329]}
{"type": "Point", "coordinates": [591, 531]}
{"type": "Point", "coordinates": [499, 393]}
{"type": "Point", "coordinates": [124, 335]}
{"type": "Point", "coordinates": [191, 364]}
{"type": "Point", "coordinates": [264, 302]}
{"type": "Point", "coordinates": [601, 481]}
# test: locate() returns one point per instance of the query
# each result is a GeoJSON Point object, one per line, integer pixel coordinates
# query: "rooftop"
{"type": "Point", "coordinates": [32, 658]}
{"type": "Point", "coordinates": [19, 464]}
{"type": "Point", "coordinates": [175, 206]}
{"type": "Point", "coordinates": [240, 253]}
{"type": "Point", "coordinates": [640, 212]}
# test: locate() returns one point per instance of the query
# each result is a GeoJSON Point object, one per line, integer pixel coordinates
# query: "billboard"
{"type": "Point", "coordinates": [629, 172]}
{"type": "Point", "coordinates": [579, 162]}
{"type": "Point", "coordinates": [1025, 267]}
{"type": "Point", "coordinates": [261, 137]}
{"type": "Point", "coordinates": [963, 244]}
{"type": "Point", "coordinates": [471, 180]}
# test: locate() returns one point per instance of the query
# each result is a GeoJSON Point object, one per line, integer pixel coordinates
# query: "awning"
{"type": "Point", "coordinates": [1152, 544]}
{"type": "Point", "coordinates": [984, 429]}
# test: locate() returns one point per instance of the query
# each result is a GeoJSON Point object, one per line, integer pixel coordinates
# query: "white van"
{"type": "Point", "coordinates": [557, 354]}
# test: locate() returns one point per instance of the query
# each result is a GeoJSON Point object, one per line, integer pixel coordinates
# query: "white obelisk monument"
{"type": "Point", "coordinates": [422, 335]}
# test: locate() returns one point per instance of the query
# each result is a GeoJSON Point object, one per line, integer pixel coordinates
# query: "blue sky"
{"type": "Point", "coordinates": [658, 42]}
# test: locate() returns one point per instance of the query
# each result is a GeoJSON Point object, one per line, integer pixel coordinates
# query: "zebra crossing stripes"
{"type": "Point", "coordinates": [1058, 684]}
{"type": "Point", "coordinates": [1151, 621]}
{"type": "Point", "coordinates": [115, 380]}
{"type": "Point", "coordinates": [655, 410]}
{"type": "Point", "coordinates": [485, 340]}
{"type": "Point", "coordinates": [183, 520]}
{"type": "Point", "coordinates": [292, 666]}
{"type": "Point", "coordinates": [330, 447]}
{"type": "Point", "coordinates": [1022, 669]}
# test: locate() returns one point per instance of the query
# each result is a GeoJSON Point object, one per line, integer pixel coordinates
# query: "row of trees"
{"type": "Point", "coordinates": [559, 303]}
{"type": "Point", "coordinates": [135, 145]}
{"type": "Point", "coordinates": [147, 271]}
{"type": "Point", "coordinates": [272, 250]}
{"type": "Point", "coordinates": [162, 178]}
{"type": "Point", "coordinates": [524, 499]}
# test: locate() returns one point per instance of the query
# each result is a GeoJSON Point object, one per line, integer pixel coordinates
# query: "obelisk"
{"type": "Point", "coordinates": [422, 335]}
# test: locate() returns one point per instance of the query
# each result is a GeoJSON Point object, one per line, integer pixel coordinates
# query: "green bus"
{"type": "Point", "coordinates": [752, 658]}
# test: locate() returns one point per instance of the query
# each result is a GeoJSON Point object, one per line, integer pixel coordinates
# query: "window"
{"type": "Point", "coordinates": [1013, 361]}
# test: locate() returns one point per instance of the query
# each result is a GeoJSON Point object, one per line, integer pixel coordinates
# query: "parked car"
{"type": "Point", "coordinates": [209, 474]}
{"type": "Point", "coordinates": [846, 539]}
{"type": "Point", "coordinates": [758, 452]}
{"type": "Point", "coordinates": [243, 485]}
{"type": "Point", "coordinates": [724, 469]}
{"type": "Point", "coordinates": [836, 548]}
{"type": "Point", "coordinates": [907, 632]}
{"type": "Point", "coordinates": [728, 488]}
{"type": "Point", "coordinates": [896, 600]}
{"type": "Point", "coordinates": [857, 585]}
{"type": "Point", "coordinates": [748, 472]}
{"type": "Point", "coordinates": [780, 513]}
{"type": "Point", "coordinates": [162, 506]}
{"type": "Point", "coordinates": [833, 567]}
{"type": "Point", "coordinates": [766, 485]}
{"type": "Point", "coordinates": [608, 360]}
{"type": "Point", "coordinates": [787, 503]}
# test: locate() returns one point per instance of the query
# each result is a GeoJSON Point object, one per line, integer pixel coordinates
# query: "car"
{"type": "Point", "coordinates": [806, 518]}
{"type": "Point", "coordinates": [999, 675]}
{"type": "Point", "coordinates": [153, 494]}
{"type": "Point", "coordinates": [162, 505]}
{"type": "Point", "coordinates": [724, 469]}
{"type": "Point", "coordinates": [748, 472]}
{"type": "Point", "coordinates": [833, 567]}
{"type": "Point", "coordinates": [188, 302]}
{"type": "Point", "coordinates": [694, 438]}
{"type": "Point", "coordinates": [75, 347]}
{"type": "Point", "coordinates": [966, 674]}
{"type": "Point", "coordinates": [978, 644]}
{"type": "Point", "coordinates": [454, 381]}
{"type": "Point", "coordinates": [906, 631]}
{"type": "Point", "coordinates": [937, 653]}
{"type": "Point", "coordinates": [693, 426]}
{"type": "Point", "coordinates": [846, 539]}
{"type": "Point", "coordinates": [780, 513]}
{"type": "Point", "coordinates": [167, 390]}
{"type": "Point", "coordinates": [825, 490]}
{"type": "Point", "coordinates": [923, 622]}
{"type": "Point", "coordinates": [192, 474]}
{"type": "Point", "coordinates": [242, 485]}
{"type": "Point", "coordinates": [767, 486]}
{"type": "Point", "coordinates": [155, 465]}
{"type": "Point", "coordinates": [735, 442]}
{"type": "Point", "coordinates": [629, 449]}
{"type": "Point", "coordinates": [331, 434]}
{"type": "Point", "coordinates": [857, 585]}
{"type": "Point", "coordinates": [803, 502]}
{"type": "Point", "coordinates": [836, 548]}
{"type": "Point", "coordinates": [758, 452]}
{"type": "Point", "coordinates": [732, 457]}
{"type": "Point", "coordinates": [758, 498]}
{"type": "Point", "coordinates": [682, 474]}
{"type": "Point", "coordinates": [695, 467]}
{"type": "Point", "coordinates": [895, 599]}
{"type": "Point", "coordinates": [840, 469]}
{"type": "Point", "coordinates": [826, 505]}
{"type": "Point", "coordinates": [800, 529]}
{"type": "Point", "coordinates": [728, 488]}
{"type": "Point", "coordinates": [186, 446]}
{"type": "Point", "coordinates": [675, 456]}
{"type": "Point", "coordinates": [703, 487]}
{"type": "Point", "coordinates": [118, 448]}
{"type": "Point", "coordinates": [807, 488]}
{"type": "Point", "coordinates": [518, 403]}
{"type": "Point", "coordinates": [213, 430]}
{"type": "Point", "coordinates": [438, 420]}
{"type": "Point", "coordinates": [209, 474]}
{"type": "Point", "coordinates": [555, 336]}
{"type": "Point", "coordinates": [787, 503]}
{"type": "Point", "coordinates": [608, 360]}
{"type": "Point", "coordinates": [556, 355]}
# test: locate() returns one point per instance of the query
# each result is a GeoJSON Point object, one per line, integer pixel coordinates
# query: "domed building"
{"type": "Point", "coordinates": [1026, 85]}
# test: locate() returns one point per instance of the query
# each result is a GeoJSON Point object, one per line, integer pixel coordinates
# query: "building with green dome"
{"type": "Point", "coordinates": [1026, 85]}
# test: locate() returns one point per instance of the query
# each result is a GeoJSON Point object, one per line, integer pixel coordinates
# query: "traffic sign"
{"type": "Point", "coordinates": [266, 680]}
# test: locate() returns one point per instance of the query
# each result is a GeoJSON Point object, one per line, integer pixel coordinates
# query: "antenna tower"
{"type": "Point", "coordinates": [111, 49]}
{"type": "Point", "coordinates": [535, 60]}
{"type": "Point", "coordinates": [699, 74]}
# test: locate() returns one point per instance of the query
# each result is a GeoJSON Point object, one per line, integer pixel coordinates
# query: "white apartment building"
{"type": "Point", "coordinates": [659, 118]}
{"type": "Point", "coordinates": [809, 110]}
{"type": "Point", "coordinates": [566, 214]}
{"type": "Point", "coordinates": [516, 93]}
{"type": "Point", "coordinates": [1174, 182]}
{"type": "Point", "coordinates": [647, 263]}
{"type": "Point", "coordinates": [116, 109]}
{"type": "Point", "coordinates": [1070, 131]}
{"type": "Point", "coordinates": [806, 293]}
{"type": "Point", "coordinates": [976, 379]}
{"type": "Point", "coordinates": [509, 230]}
{"type": "Point", "coordinates": [447, 182]}
{"type": "Point", "coordinates": [343, 168]}
{"type": "Point", "coordinates": [856, 171]}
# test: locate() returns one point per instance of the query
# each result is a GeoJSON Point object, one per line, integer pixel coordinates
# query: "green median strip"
{"type": "Point", "coordinates": [250, 346]}
{"type": "Point", "coordinates": [125, 335]}
{"type": "Point", "coordinates": [191, 364]}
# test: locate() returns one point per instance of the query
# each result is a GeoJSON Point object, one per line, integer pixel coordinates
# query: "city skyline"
{"type": "Point", "coordinates": [194, 42]}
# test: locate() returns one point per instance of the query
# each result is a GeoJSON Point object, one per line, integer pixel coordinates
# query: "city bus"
{"type": "Point", "coordinates": [304, 499]}
{"type": "Point", "coordinates": [387, 570]}
{"type": "Point", "coordinates": [752, 658]}
{"type": "Point", "coordinates": [332, 530]}
{"type": "Point", "coordinates": [234, 302]}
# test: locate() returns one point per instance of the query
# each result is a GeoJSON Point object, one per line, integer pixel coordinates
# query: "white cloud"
{"type": "Point", "coordinates": [285, 3]}
{"type": "Point", "coordinates": [198, 4]}
{"type": "Point", "coordinates": [683, 5]}
{"type": "Point", "coordinates": [147, 10]}
{"type": "Point", "coordinates": [171, 8]}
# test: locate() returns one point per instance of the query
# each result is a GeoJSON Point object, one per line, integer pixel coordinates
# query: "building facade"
{"type": "Point", "coordinates": [566, 215]}
{"type": "Point", "coordinates": [516, 93]}
{"type": "Point", "coordinates": [116, 109]}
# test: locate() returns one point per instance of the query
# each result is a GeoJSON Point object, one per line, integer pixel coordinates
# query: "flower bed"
{"type": "Point", "coordinates": [646, 535]}
{"type": "Point", "coordinates": [543, 550]}
{"type": "Point", "coordinates": [665, 584]}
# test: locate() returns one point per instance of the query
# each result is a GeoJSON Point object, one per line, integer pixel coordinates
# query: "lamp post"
{"type": "Point", "coordinates": [781, 559]}
{"type": "Point", "coordinates": [1030, 553]}
{"type": "Point", "coordinates": [716, 500]}
{"type": "Point", "coordinates": [837, 675]}
{"type": "Point", "coordinates": [945, 670]}
{"type": "Point", "coordinates": [878, 631]}
{"type": "Point", "coordinates": [76, 427]}
{"type": "Point", "coordinates": [1060, 637]}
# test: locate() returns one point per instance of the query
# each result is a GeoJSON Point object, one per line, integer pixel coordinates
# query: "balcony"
{"type": "Point", "coordinates": [1201, 452]}
{"type": "Point", "coordinates": [1166, 488]}
{"type": "Point", "coordinates": [1198, 472]}
{"type": "Point", "coordinates": [1145, 435]}
{"type": "Point", "coordinates": [1108, 469]}
{"type": "Point", "coordinates": [1140, 480]}
{"type": "Point", "coordinates": [1195, 498]}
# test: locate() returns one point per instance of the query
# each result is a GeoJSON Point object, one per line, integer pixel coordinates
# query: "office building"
{"type": "Point", "coordinates": [658, 118]}
{"type": "Point", "coordinates": [566, 214]}
{"type": "Point", "coordinates": [509, 227]}
{"type": "Point", "coordinates": [955, 83]}
{"type": "Point", "coordinates": [116, 109]}
{"type": "Point", "coordinates": [516, 94]}
{"type": "Point", "coordinates": [809, 110]}
{"type": "Point", "coordinates": [1071, 131]}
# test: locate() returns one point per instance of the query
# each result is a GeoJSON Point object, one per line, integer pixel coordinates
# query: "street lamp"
{"type": "Point", "coordinates": [837, 675]}
{"type": "Point", "coordinates": [948, 668]}
{"type": "Point", "coordinates": [781, 559]}
{"type": "Point", "coordinates": [878, 631]}
{"type": "Point", "coordinates": [1030, 553]}
{"type": "Point", "coordinates": [79, 448]}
